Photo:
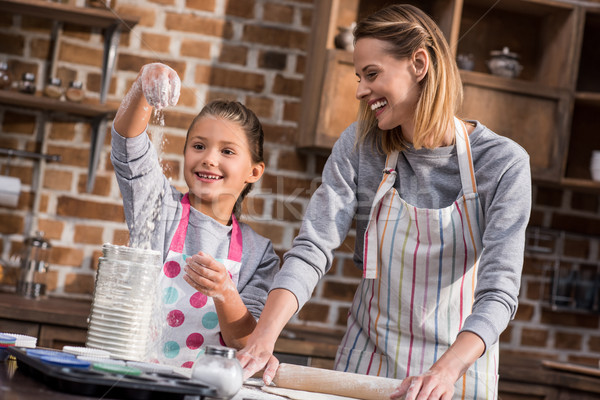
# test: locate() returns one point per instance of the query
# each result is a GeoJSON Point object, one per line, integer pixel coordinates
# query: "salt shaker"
{"type": "Point", "coordinates": [218, 368]}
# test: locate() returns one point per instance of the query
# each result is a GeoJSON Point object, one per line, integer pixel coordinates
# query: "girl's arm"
{"type": "Point", "coordinates": [156, 85]}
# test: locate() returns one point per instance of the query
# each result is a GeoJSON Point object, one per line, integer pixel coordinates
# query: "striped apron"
{"type": "Point", "coordinates": [189, 319]}
{"type": "Point", "coordinates": [419, 278]}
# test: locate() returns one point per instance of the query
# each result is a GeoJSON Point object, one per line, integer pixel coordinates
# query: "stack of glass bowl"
{"type": "Point", "coordinates": [126, 288]}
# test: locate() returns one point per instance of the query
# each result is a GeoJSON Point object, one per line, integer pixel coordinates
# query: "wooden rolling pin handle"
{"type": "Point", "coordinates": [338, 383]}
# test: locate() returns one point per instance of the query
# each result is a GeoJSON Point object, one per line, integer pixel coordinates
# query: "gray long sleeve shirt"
{"type": "Point", "coordinates": [144, 187]}
{"type": "Point", "coordinates": [427, 178]}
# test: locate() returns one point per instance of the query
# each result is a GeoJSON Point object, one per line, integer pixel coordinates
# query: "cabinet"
{"type": "Point", "coordinates": [550, 109]}
{"type": "Point", "coordinates": [96, 114]}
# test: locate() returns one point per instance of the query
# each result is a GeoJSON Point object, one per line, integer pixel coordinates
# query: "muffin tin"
{"type": "Point", "coordinates": [66, 373]}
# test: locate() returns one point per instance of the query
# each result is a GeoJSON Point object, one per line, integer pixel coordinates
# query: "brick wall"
{"type": "Point", "coordinates": [253, 51]}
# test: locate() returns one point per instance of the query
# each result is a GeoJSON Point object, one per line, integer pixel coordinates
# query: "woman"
{"type": "Point", "coordinates": [439, 233]}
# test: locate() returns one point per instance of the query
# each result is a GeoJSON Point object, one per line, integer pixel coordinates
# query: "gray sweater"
{"type": "Point", "coordinates": [428, 179]}
{"type": "Point", "coordinates": [143, 185]}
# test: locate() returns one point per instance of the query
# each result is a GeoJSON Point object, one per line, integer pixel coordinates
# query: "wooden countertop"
{"type": "Point", "coordinates": [74, 313]}
{"type": "Point", "coordinates": [55, 311]}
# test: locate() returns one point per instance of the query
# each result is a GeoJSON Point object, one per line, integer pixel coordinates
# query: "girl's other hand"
{"type": "Point", "coordinates": [160, 85]}
{"type": "Point", "coordinates": [208, 276]}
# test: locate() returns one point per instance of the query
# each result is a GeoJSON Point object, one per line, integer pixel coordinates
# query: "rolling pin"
{"type": "Point", "coordinates": [327, 381]}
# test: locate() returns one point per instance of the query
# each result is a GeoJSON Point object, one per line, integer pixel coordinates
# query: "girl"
{"type": "Point", "coordinates": [441, 207]}
{"type": "Point", "coordinates": [216, 271]}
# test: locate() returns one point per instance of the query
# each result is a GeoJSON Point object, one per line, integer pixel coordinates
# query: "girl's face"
{"type": "Point", "coordinates": [388, 85]}
{"type": "Point", "coordinates": [217, 166]}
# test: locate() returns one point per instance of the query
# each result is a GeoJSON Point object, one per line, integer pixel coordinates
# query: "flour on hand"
{"type": "Point", "coordinates": [161, 85]}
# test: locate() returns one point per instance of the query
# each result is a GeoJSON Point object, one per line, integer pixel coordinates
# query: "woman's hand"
{"type": "Point", "coordinates": [160, 85]}
{"type": "Point", "coordinates": [438, 382]}
{"type": "Point", "coordinates": [432, 385]}
{"type": "Point", "coordinates": [256, 356]}
{"type": "Point", "coordinates": [208, 276]}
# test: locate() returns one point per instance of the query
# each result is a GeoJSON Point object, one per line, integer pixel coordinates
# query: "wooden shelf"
{"type": "Point", "coordinates": [92, 17]}
{"type": "Point", "coordinates": [111, 25]}
{"type": "Point", "coordinates": [511, 85]}
{"type": "Point", "coordinates": [17, 99]}
{"type": "Point", "coordinates": [588, 98]}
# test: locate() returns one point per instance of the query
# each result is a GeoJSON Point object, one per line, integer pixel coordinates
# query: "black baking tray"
{"type": "Point", "coordinates": [91, 382]}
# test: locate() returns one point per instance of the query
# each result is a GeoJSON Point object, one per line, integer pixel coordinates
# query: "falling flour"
{"type": "Point", "coordinates": [160, 90]}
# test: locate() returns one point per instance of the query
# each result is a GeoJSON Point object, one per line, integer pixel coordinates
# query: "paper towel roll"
{"type": "Point", "coordinates": [10, 188]}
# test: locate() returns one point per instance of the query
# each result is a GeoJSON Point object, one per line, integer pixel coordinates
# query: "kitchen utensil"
{"type": "Point", "coordinates": [335, 382]}
{"type": "Point", "coordinates": [34, 266]}
{"type": "Point", "coordinates": [105, 379]}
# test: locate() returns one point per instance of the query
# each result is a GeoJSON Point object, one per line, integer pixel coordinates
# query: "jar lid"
{"type": "Point", "coordinates": [505, 52]}
{"type": "Point", "coordinates": [28, 76]}
{"type": "Point", "coordinates": [54, 81]}
{"type": "Point", "coordinates": [76, 84]}
{"type": "Point", "coordinates": [221, 351]}
{"type": "Point", "coordinates": [38, 241]}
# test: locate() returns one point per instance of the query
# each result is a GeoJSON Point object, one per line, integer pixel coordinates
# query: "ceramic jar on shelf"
{"type": "Point", "coordinates": [504, 63]}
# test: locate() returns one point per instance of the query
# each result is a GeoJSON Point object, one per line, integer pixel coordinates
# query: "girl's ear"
{"type": "Point", "coordinates": [420, 61]}
{"type": "Point", "coordinates": [256, 172]}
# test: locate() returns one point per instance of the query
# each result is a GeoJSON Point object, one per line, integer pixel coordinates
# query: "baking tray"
{"type": "Point", "coordinates": [88, 381]}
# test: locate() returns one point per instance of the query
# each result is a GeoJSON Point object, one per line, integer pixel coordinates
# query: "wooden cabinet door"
{"type": "Point", "coordinates": [56, 337]}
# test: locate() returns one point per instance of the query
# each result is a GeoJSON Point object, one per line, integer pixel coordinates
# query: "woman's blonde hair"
{"type": "Point", "coordinates": [406, 29]}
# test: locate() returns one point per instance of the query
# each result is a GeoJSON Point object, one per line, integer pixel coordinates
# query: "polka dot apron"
{"type": "Point", "coordinates": [188, 318]}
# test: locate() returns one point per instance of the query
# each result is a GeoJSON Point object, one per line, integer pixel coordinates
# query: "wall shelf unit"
{"type": "Point", "coordinates": [97, 115]}
{"type": "Point", "coordinates": [550, 109]}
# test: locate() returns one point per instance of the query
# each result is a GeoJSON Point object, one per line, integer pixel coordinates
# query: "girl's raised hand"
{"type": "Point", "coordinates": [208, 276]}
{"type": "Point", "coordinates": [160, 85]}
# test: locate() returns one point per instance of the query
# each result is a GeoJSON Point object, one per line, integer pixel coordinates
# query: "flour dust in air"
{"type": "Point", "coordinates": [140, 233]}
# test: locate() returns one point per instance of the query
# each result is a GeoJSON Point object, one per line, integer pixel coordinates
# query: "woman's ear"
{"type": "Point", "coordinates": [420, 60]}
{"type": "Point", "coordinates": [256, 172]}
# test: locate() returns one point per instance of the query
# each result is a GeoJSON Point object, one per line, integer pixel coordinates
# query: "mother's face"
{"type": "Point", "coordinates": [390, 86]}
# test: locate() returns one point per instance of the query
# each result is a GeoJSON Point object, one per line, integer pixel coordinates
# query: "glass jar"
{"type": "Point", "coordinates": [218, 368]}
{"type": "Point", "coordinates": [75, 91]}
{"type": "Point", "coordinates": [53, 89]}
{"type": "Point", "coordinates": [124, 295]}
{"type": "Point", "coordinates": [34, 267]}
{"type": "Point", "coordinates": [27, 83]}
{"type": "Point", "coordinates": [5, 78]}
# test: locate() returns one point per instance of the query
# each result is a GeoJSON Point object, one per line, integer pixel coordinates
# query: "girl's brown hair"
{"type": "Point", "coordinates": [236, 112]}
{"type": "Point", "coordinates": [406, 29]}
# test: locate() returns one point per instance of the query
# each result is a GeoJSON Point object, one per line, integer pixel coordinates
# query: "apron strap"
{"type": "Point", "coordinates": [178, 241]}
{"type": "Point", "coordinates": [465, 159]}
{"type": "Point", "coordinates": [371, 249]}
{"type": "Point", "coordinates": [235, 244]}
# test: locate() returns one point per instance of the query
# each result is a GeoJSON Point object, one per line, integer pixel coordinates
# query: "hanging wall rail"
{"type": "Point", "coordinates": [28, 154]}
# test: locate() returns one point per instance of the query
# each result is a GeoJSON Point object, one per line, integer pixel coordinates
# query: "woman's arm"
{"type": "Point", "coordinates": [156, 85]}
{"type": "Point", "coordinates": [258, 353]}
